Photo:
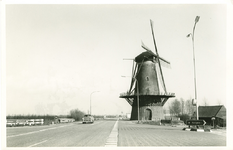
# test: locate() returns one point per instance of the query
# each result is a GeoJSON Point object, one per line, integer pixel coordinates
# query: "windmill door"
{"type": "Point", "coordinates": [148, 114]}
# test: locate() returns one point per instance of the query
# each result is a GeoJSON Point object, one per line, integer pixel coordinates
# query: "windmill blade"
{"type": "Point", "coordinates": [160, 78]}
{"type": "Point", "coordinates": [163, 62]}
{"type": "Point", "coordinates": [151, 22]}
{"type": "Point", "coordinates": [131, 85]}
{"type": "Point", "coordinates": [146, 48]}
{"type": "Point", "coordinates": [133, 68]}
{"type": "Point", "coordinates": [133, 78]}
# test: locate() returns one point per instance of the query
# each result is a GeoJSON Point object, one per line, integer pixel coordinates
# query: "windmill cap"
{"type": "Point", "coordinates": [144, 56]}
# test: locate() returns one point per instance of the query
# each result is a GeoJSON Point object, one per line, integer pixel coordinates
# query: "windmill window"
{"type": "Point", "coordinates": [147, 78]}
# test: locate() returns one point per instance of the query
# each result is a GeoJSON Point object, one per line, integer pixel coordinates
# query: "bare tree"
{"type": "Point", "coordinates": [175, 107]}
{"type": "Point", "coordinates": [189, 108]}
{"type": "Point", "coordinates": [182, 105]}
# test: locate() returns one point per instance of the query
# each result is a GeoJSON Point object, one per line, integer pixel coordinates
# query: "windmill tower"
{"type": "Point", "coordinates": [147, 92]}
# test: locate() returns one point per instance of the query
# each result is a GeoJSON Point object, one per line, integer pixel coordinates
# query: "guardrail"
{"type": "Point", "coordinates": [127, 94]}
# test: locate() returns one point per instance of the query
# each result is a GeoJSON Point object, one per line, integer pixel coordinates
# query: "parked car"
{"type": "Point", "coordinates": [88, 119]}
{"type": "Point", "coordinates": [10, 123]}
{"type": "Point", "coordinates": [21, 122]}
{"type": "Point", "coordinates": [38, 121]}
{"type": "Point", "coordinates": [30, 122]}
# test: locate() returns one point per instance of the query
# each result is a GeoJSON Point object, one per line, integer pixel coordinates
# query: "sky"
{"type": "Point", "coordinates": [58, 55]}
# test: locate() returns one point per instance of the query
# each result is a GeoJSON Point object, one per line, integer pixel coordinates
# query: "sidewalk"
{"type": "Point", "coordinates": [133, 134]}
{"type": "Point", "coordinates": [186, 128]}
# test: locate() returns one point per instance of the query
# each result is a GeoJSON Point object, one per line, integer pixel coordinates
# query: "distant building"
{"type": "Point", "coordinates": [207, 113]}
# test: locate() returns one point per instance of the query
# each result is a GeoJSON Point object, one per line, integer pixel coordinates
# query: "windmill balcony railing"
{"type": "Point", "coordinates": [134, 94]}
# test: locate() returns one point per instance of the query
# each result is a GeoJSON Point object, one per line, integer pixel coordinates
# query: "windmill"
{"type": "Point", "coordinates": [147, 93]}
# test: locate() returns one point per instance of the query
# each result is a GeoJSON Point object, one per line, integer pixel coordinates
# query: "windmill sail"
{"type": "Point", "coordinates": [133, 78]}
{"type": "Point", "coordinates": [163, 62]}
{"type": "Point", "coordinates": [158, 56]}
{"type": "Point", "coordinates": [161, 85]}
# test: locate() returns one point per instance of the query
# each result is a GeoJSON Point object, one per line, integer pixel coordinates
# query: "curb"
{"type": "Point", "coordinates": [197, 130]}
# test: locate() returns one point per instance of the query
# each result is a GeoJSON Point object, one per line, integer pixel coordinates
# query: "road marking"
{"type": "Point", "coordinates": [37, 131]}
{"type": "Point", "coordinates": [38, 143]}
{"type": "Point", "coordinates": [113, 137]}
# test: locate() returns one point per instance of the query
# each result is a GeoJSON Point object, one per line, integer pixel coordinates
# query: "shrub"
{"type": "Point", "coordinates": [77, 114]}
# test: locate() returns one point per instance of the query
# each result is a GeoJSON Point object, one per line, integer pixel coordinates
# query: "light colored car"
{"type": "Point", "coordinates": [38, 121]}
{"type": "Point", "coordinates": [21, 122]}
{"type": "Point", "coordinates": [88, 119]}
{"type": "Point", "coordinates": [30, 122]}
{"type": "Point", "coordinates": [10, 123]}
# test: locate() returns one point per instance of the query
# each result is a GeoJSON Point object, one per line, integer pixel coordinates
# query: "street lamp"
{"type": "Point", "coordinates": [137, 94]}
{"type": "Point", "coordinates": [192, 34]}
{"type": "Point", "coordinates": [90, 100]}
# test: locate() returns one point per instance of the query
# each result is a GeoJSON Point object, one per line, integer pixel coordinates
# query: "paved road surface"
{"type": "Point", "coordinates": [62, 135]}
{"type": "Point", "coordinates": [127, 133]}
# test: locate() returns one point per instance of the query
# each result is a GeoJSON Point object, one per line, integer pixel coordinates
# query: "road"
{"type": "Point", "coordinates": [61, 135]}
{"type": "Point", "coordinates": [101, 133]}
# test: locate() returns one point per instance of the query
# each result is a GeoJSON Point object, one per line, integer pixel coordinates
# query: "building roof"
{"type": "Point", "coordinates": [209, 111]}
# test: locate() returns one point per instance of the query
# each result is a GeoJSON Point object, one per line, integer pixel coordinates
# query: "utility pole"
{"type": "Point", "coordinates": [192, 34]}
{"type": "Point", "coordinates": [90, 100]}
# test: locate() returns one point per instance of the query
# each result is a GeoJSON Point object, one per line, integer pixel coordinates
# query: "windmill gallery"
{"type": "Point", "coordinates": [147, 94]}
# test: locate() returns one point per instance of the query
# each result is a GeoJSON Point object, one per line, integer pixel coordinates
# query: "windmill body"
{"type": "Point", "coordinates": [147, 85]}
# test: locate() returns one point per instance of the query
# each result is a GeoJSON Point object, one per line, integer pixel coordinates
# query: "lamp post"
{"type": "Point", "coordinates": [90, 100]}
{"type": "Point", "coordinates": [137, 95]}
{"type": "Point", "coordinates": [192, 34]}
